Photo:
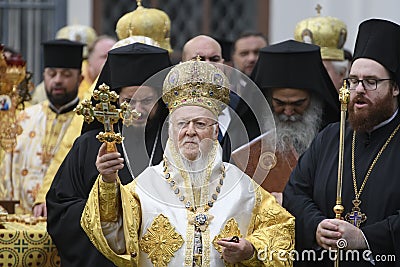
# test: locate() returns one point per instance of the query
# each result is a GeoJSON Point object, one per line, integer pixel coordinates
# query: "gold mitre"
{"type": "Point", "coordinates": [196, 83]}
{"type": "Point", "coordinates": [328, 33]}
{"type": "Point", "coordinates": [148, 22]}
{"type": "Point", "coordinates": [79, 33]}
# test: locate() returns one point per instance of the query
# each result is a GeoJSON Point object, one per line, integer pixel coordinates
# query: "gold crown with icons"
{"type": "Point", "coordinates": [78, 33]}
{"type": "Point", "coordinates": [328, 33]}
{"type": "Point", "coordinates": [196, 83]}
{"type": "Point", "coordinates": [148, 22]}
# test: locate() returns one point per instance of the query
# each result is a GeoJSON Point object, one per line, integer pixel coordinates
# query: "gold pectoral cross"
{"type": "Point", "coordinates": [107, 114]}
{"type": "Point", "coordinates": [356, 217]}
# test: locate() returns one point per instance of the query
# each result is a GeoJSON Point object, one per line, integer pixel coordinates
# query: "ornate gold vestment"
{"type": "Point", "coordinates": [160, 231]}
{"type": "Point", "coordinates": [22, 171]}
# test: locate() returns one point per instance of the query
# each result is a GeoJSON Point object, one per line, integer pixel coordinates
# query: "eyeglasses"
{"type": "Point", "coordinates": [198, 124]}
{"type": "Point", "coordinates": [369, 84]}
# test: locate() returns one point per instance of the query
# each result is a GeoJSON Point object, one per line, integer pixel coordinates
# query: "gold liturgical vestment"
{"type": "Point", "coordinates": [22, 171]}
{"type": "Point", "coordinates": [152, 212]}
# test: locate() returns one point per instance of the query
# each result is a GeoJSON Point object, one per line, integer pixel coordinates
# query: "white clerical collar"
{"type": "Point", "coordinates": [66, 106]}
{"type": "Point", "coordinates": [385, 122]}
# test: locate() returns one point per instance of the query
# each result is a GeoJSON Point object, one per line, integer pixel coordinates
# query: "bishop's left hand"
{"type": "Point", "coordinates": [236, 252]}
{"type": "Point", "coordinates": [330, 231]}
{"type": "Point", "coordinates": [353, 235]}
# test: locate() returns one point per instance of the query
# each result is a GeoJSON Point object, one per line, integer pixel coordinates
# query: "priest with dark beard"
{"type": "Point", "coordinates": [369, 233]}
{"type": "Point", "coordinates": [303, 100]}
{"type": "Point", "coordinates": [126, 69]}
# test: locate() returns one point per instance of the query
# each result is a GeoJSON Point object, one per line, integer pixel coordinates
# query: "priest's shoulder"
{"type": "Point", "coordinates": [88, 139]}
{"type": "Point", "coordinates": [32, 111]}
{"type": "Point", "coordinates": [330, 128]}
{"type": "Point", "coordinates": [328, 134]}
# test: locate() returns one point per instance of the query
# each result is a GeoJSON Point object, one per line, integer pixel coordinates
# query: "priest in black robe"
{"type": "Point", "coordinates": [125, 67]}
{"type": "Point", "coordinates": [370, 230]}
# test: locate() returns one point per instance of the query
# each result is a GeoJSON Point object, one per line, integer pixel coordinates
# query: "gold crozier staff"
{"type": "Point", "coordinates": [344, 96]}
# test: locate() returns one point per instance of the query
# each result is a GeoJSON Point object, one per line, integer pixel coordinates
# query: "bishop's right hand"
{"type": "Point", "coordinates": [108, 164]}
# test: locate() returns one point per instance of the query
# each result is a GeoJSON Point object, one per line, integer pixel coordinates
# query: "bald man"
{"type": "Point", "coordinates": [204, 46]}
{"type": "Point", "coordinates": [209, 50]}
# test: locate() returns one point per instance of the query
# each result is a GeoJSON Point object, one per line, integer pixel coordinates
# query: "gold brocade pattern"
{"type": "Point", "coordinates": [189, 243]}
{"type": "Point", "coordinates": [25, 170]}
{"type": "Point", "coordinates": [231, 228]}
{"type": "Point", "coordinates": [260, 230]}
{"type": "Point", "coordinates": [206, 248]}
{"type": "Point", "coordinates": [90, 223]}
{"type": "Point", "coordinates": [271, 218]}
{"type": "Point", "coordinates": [132, 223]}
{"type": "Point", "coordinates": [161, 241]}
{"type": "Point", "coordinates": [276, 234]}
{"type": "Point", "coordinates": [51, 139]}
{"type": "Point", "coordinates": [27, 245]}
{"type": "Point", "coordinates": [109, 201]}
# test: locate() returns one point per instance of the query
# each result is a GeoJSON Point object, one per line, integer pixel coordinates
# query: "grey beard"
{"type": "Point", "coordinates": [298, 131]}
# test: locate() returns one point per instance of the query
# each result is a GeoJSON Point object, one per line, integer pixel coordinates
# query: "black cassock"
{"type": "Point", "coordinates": [310, 194]}
{"type": "Point", "coordinates": [68, 194]}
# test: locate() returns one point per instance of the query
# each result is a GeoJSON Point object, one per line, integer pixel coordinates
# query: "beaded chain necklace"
{"type": "Point", "coordinates": [356, 217]}
{"type": "Point", "coordinates": [200, 218]}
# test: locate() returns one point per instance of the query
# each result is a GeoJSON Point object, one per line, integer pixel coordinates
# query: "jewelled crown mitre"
{"type": "Point", "coordinates": [329, 33]}
{"type": "Point", "coordinates": [149, 22]}
{"type": "Point", "coordinates": [196, 83]}
{"type": "Point", "coordinates": [78, 33]}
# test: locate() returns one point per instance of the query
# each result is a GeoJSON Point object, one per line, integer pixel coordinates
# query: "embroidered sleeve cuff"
{"type": "Point", "coordinates": [253, 261]}
{"type": "Point", "coordinates": [109, 201]}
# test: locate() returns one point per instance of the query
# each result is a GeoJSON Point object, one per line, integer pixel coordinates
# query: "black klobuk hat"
{"type": "Point", "coordinates": [297, 65]}
{"type": "Point", "coordinates": [130, 65]}
{"type": "Point", "coordinates": [63, 53]}
{"type": "Point", "coordinates": [379, 40]}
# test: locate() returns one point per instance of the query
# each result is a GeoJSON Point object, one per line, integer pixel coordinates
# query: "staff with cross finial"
{"type": "Point", "coordinates": [107, 114]}
{"type": "Point", "coordinates": [318, 8]}
{"type": "Point", "coordinates": [344, 97]}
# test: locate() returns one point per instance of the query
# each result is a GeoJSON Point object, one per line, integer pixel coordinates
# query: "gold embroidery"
{"type": "Point", "coordinates": [206, 248]}
{"type": "Point", "coordinates": [279, 235]}
{"type": "Point", "coordinates": [109, 201]}
{"type": "Point", "coordinates": [161, 241]}
{"type": "Point", "coordinates": [189, 243]}
{"type": "Point", "coordinates": [268, 217]}
{"type": "Point", "coordinates": [231, 228]}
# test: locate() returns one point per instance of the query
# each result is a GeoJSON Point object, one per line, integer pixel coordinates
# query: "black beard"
{"type": "Point", "coordinates": [61, 100]}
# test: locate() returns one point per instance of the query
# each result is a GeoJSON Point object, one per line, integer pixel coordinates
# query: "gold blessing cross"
{"type": "Point", "coordinates": [108, 114]}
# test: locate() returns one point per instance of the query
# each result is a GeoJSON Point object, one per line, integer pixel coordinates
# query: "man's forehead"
{"type": "Point", "coordinates": [205, 48]}
{"type": "Point", "coordinates": [366, 66]}
{"type": "Point", "coordinates": [250, 41]}
{"type": "Point", "coordinates": [192, 112]}
{"type": "Point", "coordinates": [60, 69]}
{"type": "Point", "coordinates": [290, 92]}
{"type": "Point", "coordinates": [138, 91]}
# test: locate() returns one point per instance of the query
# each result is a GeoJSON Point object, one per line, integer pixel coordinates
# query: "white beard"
{"type": "Point", "coordinates": [298, 131]}
{"type": "Point", "coordinates": [197, 170]}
